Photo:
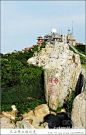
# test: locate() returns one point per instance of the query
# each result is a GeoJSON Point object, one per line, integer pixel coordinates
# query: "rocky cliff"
{"type": "Point", "coordinates": [61, 74]}
{"type": "Point", "coordinates": [62, 68]}
{"type": "Point", "coordinates": [40, 58]}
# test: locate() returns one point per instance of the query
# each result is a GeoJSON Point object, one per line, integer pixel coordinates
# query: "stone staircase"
{"type": "Point", "coordinates": [76, 50]}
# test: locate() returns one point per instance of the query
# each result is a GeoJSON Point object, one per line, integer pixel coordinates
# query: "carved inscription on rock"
{"type": "Point", "coordinates": [52, 86]}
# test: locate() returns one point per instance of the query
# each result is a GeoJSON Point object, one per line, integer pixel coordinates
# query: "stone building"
{"type": "Point", "coordinates": [64, 38]}
{"type": "Point", "coordinates": [71, 39]}
{"type": "Point", "coordinates": [51, 37]}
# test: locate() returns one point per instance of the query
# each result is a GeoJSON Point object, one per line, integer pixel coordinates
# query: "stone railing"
{"type": "Point", "coordinates": [76, 50]}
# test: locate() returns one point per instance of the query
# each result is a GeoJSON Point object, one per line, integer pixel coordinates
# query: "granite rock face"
{"type": "Point", "coordinates": [10, 115]}
{"type": "Point", "coordinates": [6, 123]}
{"type": "Point", "coordinates": [41, 110]}
{"type": "Point", "coordinates": [24, 125]}
{"type": "Point", "coordinates": [40, 59]}
{"type": "Point", "coordinates": [60, 74]}
{"type": "Point", "coordinates": [78, 111]}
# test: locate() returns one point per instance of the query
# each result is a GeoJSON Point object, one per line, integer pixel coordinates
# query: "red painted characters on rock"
{"type": "Point", "coordinates": [50, 80]}
{"type": "Point", "coordinates": [56, 81]}
{"type": "Point", "coordinates": [52, 89]}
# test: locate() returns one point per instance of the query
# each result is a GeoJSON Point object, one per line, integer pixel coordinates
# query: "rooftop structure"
{"type": "Point", "coordinates": [51, 37]}
{"type": "Point", "coordinates": [53, 30]}
{"type": "Point", "coordinates": [54, 36]}
{"type": "Point", "coordinates": [29, 48]}
{"type": "Point", "coordinates": [40, 40]}
{"type": "Point", "coordinates": [79, 44]}
{"type": "Point", "coordinates": [71, 39]}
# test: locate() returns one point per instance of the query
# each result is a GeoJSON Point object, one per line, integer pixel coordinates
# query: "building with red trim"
{"type": "Point", "coordinates": [40, 40]}
{"type": "Point", "coordinates": [79, 44]}
{"type": "Point", "coordinates": [26, 49]}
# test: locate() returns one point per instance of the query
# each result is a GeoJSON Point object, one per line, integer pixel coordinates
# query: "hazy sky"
{"type": "Point", "coordinates": [23, 21]}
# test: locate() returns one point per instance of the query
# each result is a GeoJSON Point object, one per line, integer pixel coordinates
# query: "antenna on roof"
{"type": "Point", "coordinates": [68, 30]}
{"type": "Point", "coordinates": [72, 27]}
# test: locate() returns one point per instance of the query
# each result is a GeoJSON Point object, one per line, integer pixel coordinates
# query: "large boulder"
{"type": "Point", "coordinates": [61, 74]}
{"type": "Point", "coordinates": [36, 122]}
{"type": "Point", "coordinates": [10, 115]}
{"type": "Point", "coordinates": [78, 111]}
{"type": "Point", "coordinates": [24, 125]}
{"type": "Point", "coordinates": [41, 110]}
{"type": "Point", "coordinates": [34, 119]}
{"type": "Point", "coordinates": [6, 123]}
{"type": "Point", "coordinates": [32, 60]}
{"type": "Point", "coordinates": [45, 124]}
{"type": "Point", "coordinates": [29, 115]}
{"type": "Point", "coordinates": [59, 120]}
{"type": "Point", "coordinates": [14, 108]}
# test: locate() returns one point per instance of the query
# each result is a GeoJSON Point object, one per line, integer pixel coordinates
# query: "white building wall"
{"type": "Point", "coordinates": [64, 38]}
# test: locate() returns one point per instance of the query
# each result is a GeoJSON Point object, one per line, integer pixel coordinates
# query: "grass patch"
{"type": "Point", "coordinates": [58, 109]}
{"type": "Point", "coordinates": [40, 123]}
{"type": "Point", "coordinates": [83, 66]}
{"type": "Point", "coordinates": [6, 107]}
{"type": "Point", "coordinates": [69, 101]}
{"type": "Point", "coordinates": [23, 107]}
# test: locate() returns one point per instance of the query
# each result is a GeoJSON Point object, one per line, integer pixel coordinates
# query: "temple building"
{"type": "Point", "coordinates": [40, 40]}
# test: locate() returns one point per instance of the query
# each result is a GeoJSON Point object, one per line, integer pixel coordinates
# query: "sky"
{"type": "Point", "coordinates": [23, 21]}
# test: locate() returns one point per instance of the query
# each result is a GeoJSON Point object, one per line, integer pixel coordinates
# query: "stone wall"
{"type": "Point", "coordinates": [61, 74]}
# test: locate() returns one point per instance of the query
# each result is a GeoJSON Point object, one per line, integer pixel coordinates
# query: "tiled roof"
{"type": "Point", "coordinates": [30, 48]}
{"type": "Point", "coordinates": [79, 43]}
